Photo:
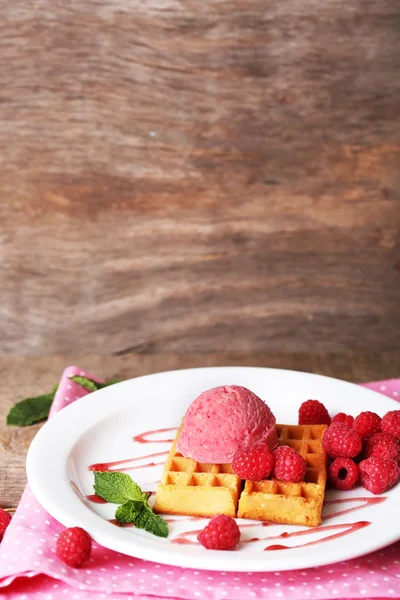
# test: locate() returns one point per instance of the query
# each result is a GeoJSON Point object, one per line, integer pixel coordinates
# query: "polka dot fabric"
{"type": "Point", "coordinates": [29, 568]}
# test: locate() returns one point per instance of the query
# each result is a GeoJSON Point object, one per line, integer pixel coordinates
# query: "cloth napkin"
{"type": "Point", "coordinates": [30, 569]}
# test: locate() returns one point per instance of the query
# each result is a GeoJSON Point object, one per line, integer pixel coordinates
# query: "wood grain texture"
{"type": "Point", "coordinates": [32, 375]}
{"type": "Point", "coordinates": [178, 176]}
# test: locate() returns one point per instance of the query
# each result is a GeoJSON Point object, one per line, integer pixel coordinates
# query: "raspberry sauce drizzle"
{"type": "Point", "coordinates": [366, 502]}
{"type": "Point", "coordinates": [182, 541]}
{"type": "Point", "coordinates": [129, 463]}
{"type": "Point", "coordinates": [142, 438]}
{"type": "Point", "coordinates": [96, 499]}
{"type": "Point", "coordinates": [347, 528]}
{"type": "Point", "coordinates": [351, 527]}
{"type": "Point", "coordinates": [181, 519]}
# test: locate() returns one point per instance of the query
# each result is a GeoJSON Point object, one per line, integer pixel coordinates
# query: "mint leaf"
{"type": "Point", "coordinates": [31, 410]}
{"type": "Point", "coordinates": [142, 517]}
{"type": "Point", "coordinates": [90, 384]}
{"type": "Point", "coordinates": [120, 488]}
{"type": "Point", "coordinates": [85, 382]}
{"type": "Point", "coordinates": [128, 512]}
{"type": "Point", "coordinates": [117, 487]}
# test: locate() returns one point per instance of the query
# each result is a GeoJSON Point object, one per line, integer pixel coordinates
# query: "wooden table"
{"type": "Point", "coordinates": [195, 177]}
{"type": "Point", "coordinates": [33, 375]}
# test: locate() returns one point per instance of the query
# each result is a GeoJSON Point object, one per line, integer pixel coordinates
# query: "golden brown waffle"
{"type": "Point", "coordinates": [198, 489]}
{"type": "Point", "coordinates": [291, 503]}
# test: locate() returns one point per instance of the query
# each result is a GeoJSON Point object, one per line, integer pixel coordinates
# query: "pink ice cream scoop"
{"type": "Point", "coordinates": [223, 420]}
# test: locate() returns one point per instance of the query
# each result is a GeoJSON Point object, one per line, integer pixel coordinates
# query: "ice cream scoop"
{"type": "Point", "coordinates": [223, 420]}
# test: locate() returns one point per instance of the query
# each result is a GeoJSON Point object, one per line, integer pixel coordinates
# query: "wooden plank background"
{"type": "Point", "coordinates": [185, 176]}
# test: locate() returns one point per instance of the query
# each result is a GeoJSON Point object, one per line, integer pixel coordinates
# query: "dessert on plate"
{"type": "Point", "coordinates": [198, 478]}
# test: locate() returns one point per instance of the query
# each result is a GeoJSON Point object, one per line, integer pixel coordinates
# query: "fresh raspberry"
{"type": "Point", "coordinates": [343, 418]}
{"type": "Point", "coordinates": [289, 464]}
{"type": "Point", "coordinates": [74, 545]}
{"type": "Point", "coordinates": [366, 424]}
{"type": "Point", "coordinates": [378, 475]}
{"type": "Point", "coordinates": [343, 473]}
{"type": "Point", "coordinates": [5, 519]}
{"type": "Point", "coordinates": [221, 533]}
{"type": "Point", "coordinates": [341, 440]}
{"type": "Point", "coordinates": [313, 412]}
{"type": "Point", "coordinates": [254, 463]}
{"type": "Point", "coordinates": [383, 445]}
{"type": "Point", "coordinates": [391, 423]}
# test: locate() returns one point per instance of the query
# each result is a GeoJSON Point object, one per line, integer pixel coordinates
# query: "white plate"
{"type": "Point", "coordinates": [100, 428]}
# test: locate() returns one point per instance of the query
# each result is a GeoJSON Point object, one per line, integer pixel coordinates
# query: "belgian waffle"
{"type": "Point", "coordinates": [291, 503]}
{"type": "Point", "coordinates": [188, 487]}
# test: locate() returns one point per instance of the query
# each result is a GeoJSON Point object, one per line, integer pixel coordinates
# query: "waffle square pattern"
{"type": "Point", "coordinates": [188, 487]}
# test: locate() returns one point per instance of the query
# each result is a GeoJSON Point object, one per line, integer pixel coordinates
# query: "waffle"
{"type": "Point", "coordinates": [188, 487]}
{"type": "Point", "coordinates": [191, 488]}
{"type": "Point", "coordinates": [291, 503]}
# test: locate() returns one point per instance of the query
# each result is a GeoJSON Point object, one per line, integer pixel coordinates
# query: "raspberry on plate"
{"type": "Point", "coordinates": [221, 533]}
{"type": "Point", "coordinates": [378, 475]}
{"type": "Point", "coordinates": [343, 473]}
{"type": "Point", "coordinates": [74, 546]}
{"type": "Point", "coordinates": [5, 519]}
{"type": "Point", "coordinates": [313, 412]}
{"type": "Point", "coordinates": [383, 445]}
{"type": "Point", "coordinates": [341, 440]}
{"type": "Point", "coordinates": [391, 423]}
{"type": "Point", "coordinates": [253, 463]}
{"type": "Point", "coordinates": [343, 418]}
{"type": "Point", "coordinates": [366, 424]}
{"type": "Point", "coordinates": [289, 466]}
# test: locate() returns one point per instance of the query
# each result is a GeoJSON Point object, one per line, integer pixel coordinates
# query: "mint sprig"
{"type": "Point", "coordinates": [142, 516]}
{"type": "Point", "coordinates": [35, 409]}
{"type": "Point", "coordinates": [119, 488]}
{"type": "Point", "coordinates": [31, 410]}
{"type": "Point", "coordinates": [90, 384]}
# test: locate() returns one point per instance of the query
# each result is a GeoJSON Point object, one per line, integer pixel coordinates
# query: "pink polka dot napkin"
{"type": "Point", "coordinates": [29, 567]}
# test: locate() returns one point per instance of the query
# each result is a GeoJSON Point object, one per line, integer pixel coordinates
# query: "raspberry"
{"type": "Point", "coordinates": [221, 533]}
{"type": "Point", "coordinates": [383, 445]}
{"type": "Point", "coordinates": [341, 440]}
{"type": "Point", "coordinates": [5, 519]}
{"type": "Point", "coordinates": [366, 424]}
{"type": "Point", "coordinates": [378, 475]}
{"type": "Point", "coordinates": [254, 463]}
{"type": "Point", "coordinates": [313, 412]}
{"type": "Point", "coordinates": [343, 418]}
{"type": "Point", "coordinates": [289, 464]}
{"type": "Point", "coordinates": [391, 423]}
{"type": "Point", "coordinates": [343, 473]}
{"type": "Point", "coordinates": [74, 545]}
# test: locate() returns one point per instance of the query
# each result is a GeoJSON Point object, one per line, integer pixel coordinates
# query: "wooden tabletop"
{"type": "Point", "coordinates": [199, 176]}
{"type": "Point", "coordinates": [34, 375]}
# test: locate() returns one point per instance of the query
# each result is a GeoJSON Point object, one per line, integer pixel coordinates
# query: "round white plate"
{"type": "Point", "coordinates": [100, 427]}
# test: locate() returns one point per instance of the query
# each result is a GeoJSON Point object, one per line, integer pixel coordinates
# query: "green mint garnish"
{"type": "Point", "coordinates": [31, 410]}
{"type": "Point", "coordinates": [119, 488]}
{"type": "Point", "coordinates": [90, 384]}
{"type": "Point", "coordinates": [142, 516]}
